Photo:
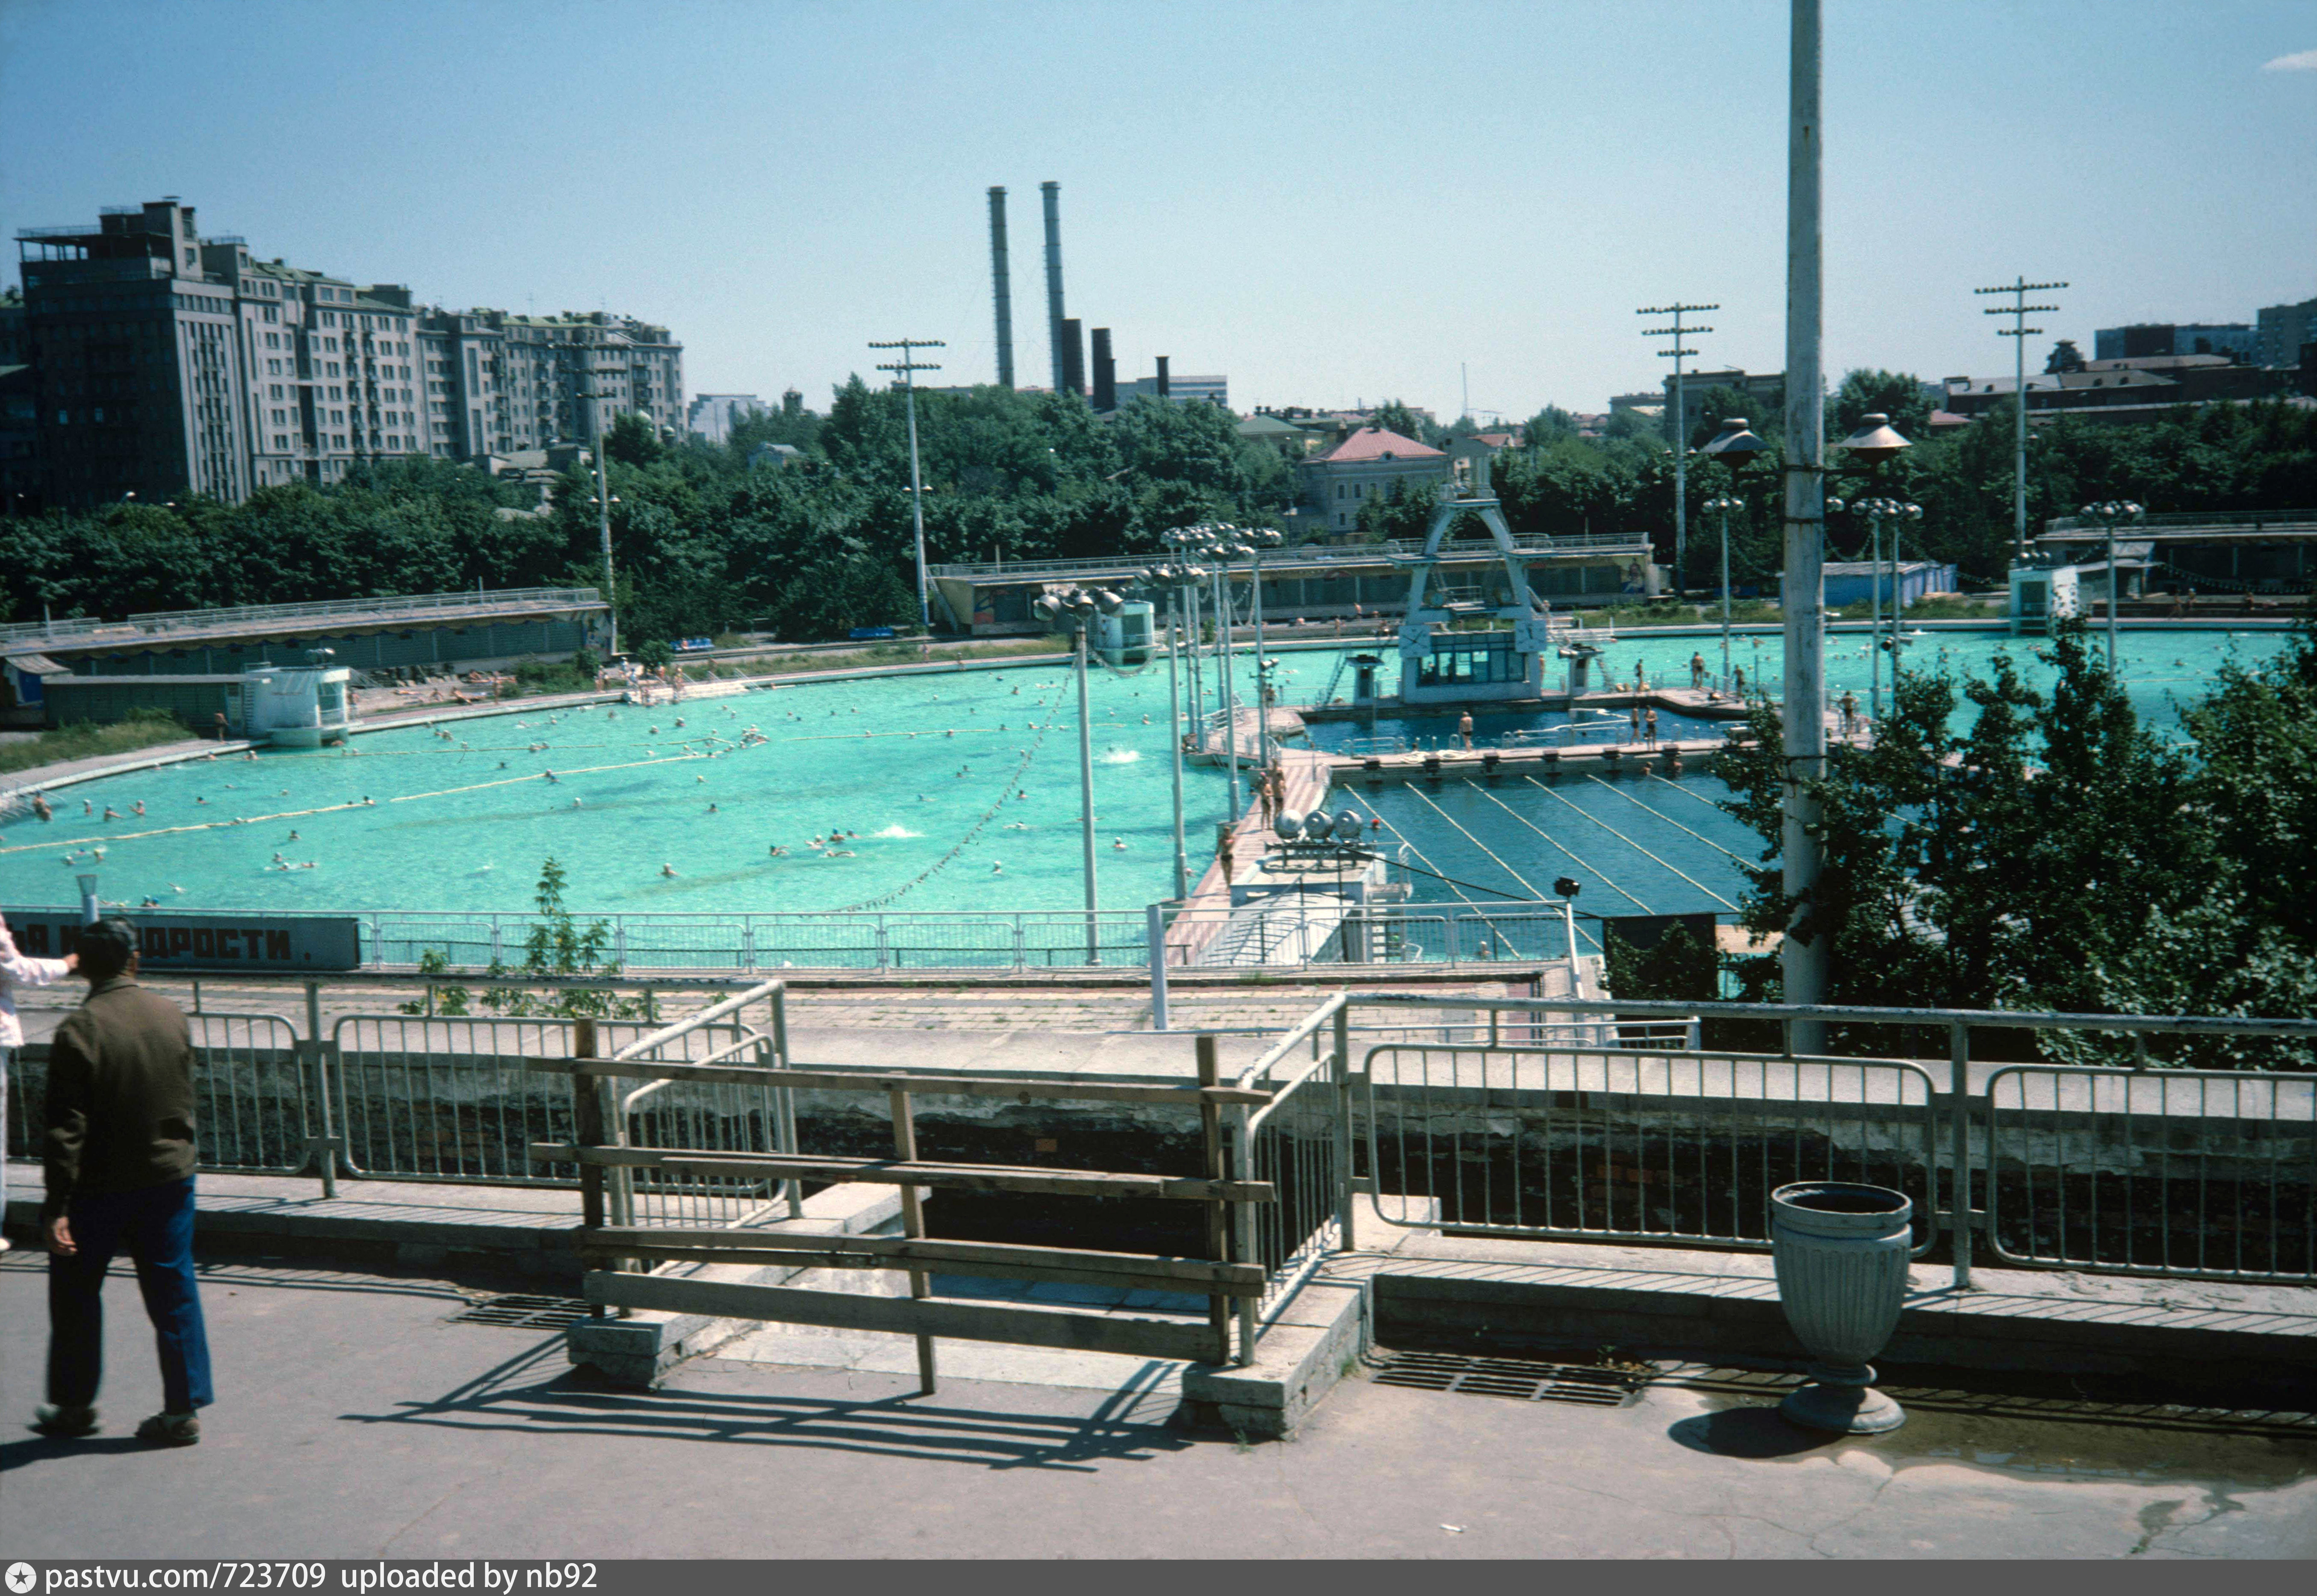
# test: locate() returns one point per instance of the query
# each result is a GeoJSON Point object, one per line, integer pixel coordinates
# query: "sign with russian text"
{"type": "Point", "coordinates": [226, 941]}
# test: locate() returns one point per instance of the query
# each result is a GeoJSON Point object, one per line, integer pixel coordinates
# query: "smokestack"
{"type": "Point", "coordinates": [1073, 357]}
{"type": "Point", "coordinates": [1053, 197]}
{"type": "Point", "coordinates": [1002, 286]}
{"type": "Point", "coordinates": [1163, 389]}
{"type": "Point", "coordinates": [1105, 373]}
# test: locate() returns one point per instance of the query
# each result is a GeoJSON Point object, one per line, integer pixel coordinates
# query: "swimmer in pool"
{"type": "Point", "coordinates": [668, 869]}
{"type": "Point", "coordinates": [997, 867]}
{"type": "Point", "coordinates": [712, 808]}
{"type": "Point", "coordinates": [110, 814]}
{"type": "Point", "coordinates": [137, 808]}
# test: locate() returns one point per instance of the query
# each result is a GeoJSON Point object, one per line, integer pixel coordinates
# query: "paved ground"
{"type": "Point", "coordinates": [356, 1423]}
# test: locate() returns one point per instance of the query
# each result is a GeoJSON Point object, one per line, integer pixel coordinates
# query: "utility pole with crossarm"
{"type": "Point", "coordinates": [909, 366]}
{"type": "Point", "coordinates": [2019, 310]}
{"type": "Point", "coordinates": [1680, 429]}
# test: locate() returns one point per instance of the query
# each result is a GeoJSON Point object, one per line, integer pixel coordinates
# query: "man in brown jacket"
{"type": "Point", "coordinates": [120, 1168]}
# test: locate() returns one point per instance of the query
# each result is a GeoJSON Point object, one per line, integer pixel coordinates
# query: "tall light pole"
{"type": "Point", "coordinates": [909, 366]}
{"type": "Point", "coordinates": [1877, 511]}
{"type": "Point", "coordinates": [603, 530]}
{"type": "Point", "coordinates": [1804, 964]}
{"type": "Point", "coordinates": [2019, 332]}
{"type": "Point", "coordinates": [1179, 580]}
{"type": "Point", "coordinates": [2110, 513]}
{"type": "Point", "coordinates": [1874, 445]}
{"type": "Point", "coordinates": [1736, 447]}
{"type": "Point", "coordinates": [1077, 608]}
{"type": "Point", "coordinates": [1680, 427]}
{"type": "Point", "coordinates": [1257, 539]}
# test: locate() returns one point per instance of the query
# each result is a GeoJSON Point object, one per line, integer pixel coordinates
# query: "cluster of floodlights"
{"type": "Point", "coordinates": [1345, 826]}
{"type": "Point", "coordinates": [1076, 607]}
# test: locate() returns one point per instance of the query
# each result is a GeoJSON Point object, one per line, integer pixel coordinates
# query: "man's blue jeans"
{"type": "Point", "coordinates": [155, 1225]}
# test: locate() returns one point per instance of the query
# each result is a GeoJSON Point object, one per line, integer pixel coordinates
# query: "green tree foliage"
{"type": "Point", "coordinates": [1898, 395]}
{"type": "Point", "coordinates": [557, 947]}
{"type": "Point", "coordinates": [1393, 416]}
{"type": "Point", "coordinates": [1678, 969]}
{"type": "Point", "coordinates": [2058, 855]}
{"type": "Point", "coordinates": [702, 543]}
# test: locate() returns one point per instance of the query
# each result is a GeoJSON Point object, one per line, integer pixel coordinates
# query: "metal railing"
{"type": "Point", "coordinates": [2149, 1170]}
{"type": "Point", "coordinates": [2299, 521]}
{"type": "Point", "coordinates": [1312, 554]}
{"type": "Point", "coordinates": [1625, 1145]}
{"type": "Point", "coordinates": [710, 1117]}
{"type": "Point", "coordinates": [450, 1099]}
{"type": "Point", "coordinates": [2153, 1172]}
{"type": "Point", "coordinates": [165, 623]}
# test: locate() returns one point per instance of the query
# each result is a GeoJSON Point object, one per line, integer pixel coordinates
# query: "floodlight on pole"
{"type": "Point", "coordinates": [909, 366]}
{"type": "Point", "coordinates": [2019, 310]}
{"type": "Point", "coordinates": [1736, 446]}
{"type": "Point", "coordinates": [1680, 425]}
{"type": "Point", "coordinates": [2110, 513]}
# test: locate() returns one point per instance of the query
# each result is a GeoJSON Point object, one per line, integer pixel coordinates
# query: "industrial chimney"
{"type": "Point", "coordinates": [1053, 197]}
{"type": "Point", "coordinates": [1105, 373]}
{"type": "Point", "coordinates": [1163, 389]}
{"type": "Point", "coordinates": [1002, 287]}
{"type": "Point", "coordinates": [1073, 357]}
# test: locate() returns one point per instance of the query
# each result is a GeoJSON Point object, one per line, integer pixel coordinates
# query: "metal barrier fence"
{"type": "Point", "coordinates": [707, 1116]}
{"type": "Point", "coordinates": [450, 1099]}
{"type": "Point", "coordinates": [1301, 1143]}
{"type": "Point", "coordinates": [1293, 935]}
{"type": "Point", "coordinates": [1622, 1145]}
{"type": "Point", "coordinates": [256, 1094]}
{"type": "Point", "coordinates": [2149, 1171]}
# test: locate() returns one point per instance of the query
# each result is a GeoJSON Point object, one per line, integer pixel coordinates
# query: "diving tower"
{"type": "Point", "coordinates": [1441, 666]}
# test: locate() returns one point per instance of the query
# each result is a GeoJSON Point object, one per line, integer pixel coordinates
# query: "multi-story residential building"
{"type": "Point", "coordinates": [711, 416]}
{"type": "Point", "coordinates": [1765, 391]}
{"type": "Point", "coordinates": [2143, 339]}
{"type": "Point", "coordinates": [2280, 333]}
{"type": "Point", "coordinates": [163, 361]}
{"type": "Point", "coordinates": [1369, 462]}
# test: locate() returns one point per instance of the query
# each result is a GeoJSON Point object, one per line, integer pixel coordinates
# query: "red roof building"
{"type": "Point", "coordinates": [1370, 462]}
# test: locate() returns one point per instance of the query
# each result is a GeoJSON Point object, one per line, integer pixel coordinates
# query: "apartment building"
{"type": "Point", "coordinates": [159, 361]}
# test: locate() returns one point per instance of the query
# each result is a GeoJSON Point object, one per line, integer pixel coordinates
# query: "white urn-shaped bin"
{"type": "Point", "coordinates": [1840, 1250]}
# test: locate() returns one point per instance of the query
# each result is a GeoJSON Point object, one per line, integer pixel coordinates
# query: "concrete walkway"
{"type": "Point", "coordinates": [355, 1422]}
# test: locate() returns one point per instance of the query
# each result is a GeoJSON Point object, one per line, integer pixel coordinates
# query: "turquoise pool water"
{"type": "Point", "coordinates": [960, 789]}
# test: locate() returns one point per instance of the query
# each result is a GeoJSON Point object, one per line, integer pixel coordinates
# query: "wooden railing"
{"type": "Point", "coordinates": [612, 1249]}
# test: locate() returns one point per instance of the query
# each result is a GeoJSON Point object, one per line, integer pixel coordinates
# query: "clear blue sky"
{"type": "Point", "coordinates": [1328, 202]}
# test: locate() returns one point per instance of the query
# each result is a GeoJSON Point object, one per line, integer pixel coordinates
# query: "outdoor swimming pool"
{"type": "Point", "coordinates": [958, 790]}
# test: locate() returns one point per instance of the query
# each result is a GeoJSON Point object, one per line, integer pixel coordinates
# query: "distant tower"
{"type": "Point", "coordinates": [1002, 287]}
{"type": "Point", "coordinates": [1053, 196]}
{"type": "Point", "coordinates": [1105, 373]}
{"type": "Point", "coordinates": [1073, 357]}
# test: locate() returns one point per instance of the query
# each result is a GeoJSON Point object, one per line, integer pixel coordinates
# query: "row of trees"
{"type": "Point", "coordinates": [2049, 851]}
{"type": "Point", "coordinates": [2224, 457]}
{"type": "Point", "coordinates": [704, 541]}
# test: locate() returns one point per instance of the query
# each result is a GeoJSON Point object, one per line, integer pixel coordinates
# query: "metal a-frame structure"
{"type": "Point", "coordinates": [1440, 666]}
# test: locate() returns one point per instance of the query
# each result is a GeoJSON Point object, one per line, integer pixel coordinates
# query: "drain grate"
{"type": "Point", "coordinates": [521, 1311]}
{"type": "Point", "coordinates": [1516, 1378]}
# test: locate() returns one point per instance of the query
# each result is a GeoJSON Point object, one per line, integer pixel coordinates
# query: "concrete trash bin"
{"type": "Point", "coordinates": [1841, 1251]}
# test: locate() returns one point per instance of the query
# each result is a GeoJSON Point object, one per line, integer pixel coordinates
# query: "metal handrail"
{"type": "Point", "coordinates": [1315, 554]}
{"type": "Point", "coordinates": [382, 612]}
{"type": "Point", "coordinates": [2259, 520]}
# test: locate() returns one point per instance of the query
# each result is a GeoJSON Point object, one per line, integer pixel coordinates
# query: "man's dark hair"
{"type": "Point", "coordinates": [106, 947]}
